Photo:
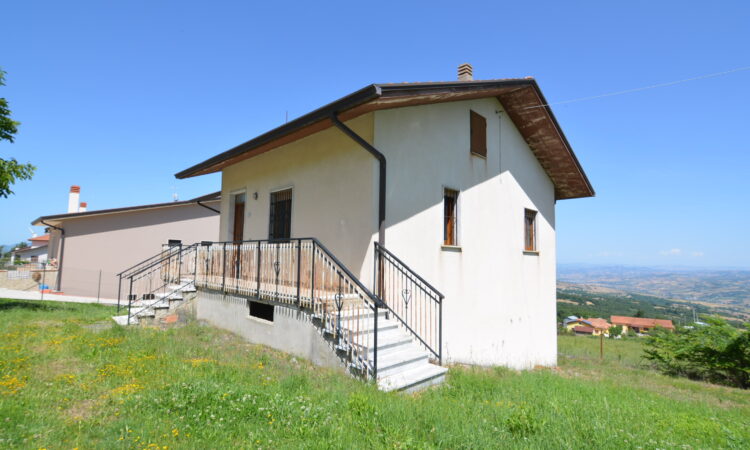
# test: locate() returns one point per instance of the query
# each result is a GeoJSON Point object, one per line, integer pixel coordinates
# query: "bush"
{"type": "Point", "coordinates": [614, 331]}
{"type": "Point", "coordinates": [716, 352]}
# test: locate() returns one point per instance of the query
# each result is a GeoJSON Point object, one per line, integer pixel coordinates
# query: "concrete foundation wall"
{"type": "Point", "coordinates": [292, 331]}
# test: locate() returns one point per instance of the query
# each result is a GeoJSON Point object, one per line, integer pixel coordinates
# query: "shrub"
{"type": "Point", "coordinates": [614, 331]}
{"type": "Point", "coordinates": [716, 352]}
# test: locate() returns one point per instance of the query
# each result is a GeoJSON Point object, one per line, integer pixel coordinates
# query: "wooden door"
{"type": "Point", "coordinates": [239, 219]}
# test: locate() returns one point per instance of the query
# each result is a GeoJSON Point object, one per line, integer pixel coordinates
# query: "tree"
{"type": "Point", "coordinates": [10, 169]}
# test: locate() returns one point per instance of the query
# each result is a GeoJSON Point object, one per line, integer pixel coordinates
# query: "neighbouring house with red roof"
{"type": "Point", "coordinates": [36, 252]}
{"type": "Point", "coordinates": [640, 324]}
{"type": "Point", "coordinates": [591, 326]}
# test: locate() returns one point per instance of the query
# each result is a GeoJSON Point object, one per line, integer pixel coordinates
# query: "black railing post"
{"type": "Point", "coordinates": [375, 351]}
{"type": "Point", "coordinates": [312, 278]}
{"type": "Point", "coordinates": [299, 271]}
{"type": "Point", "coordinates": [119, 291]}
{"type": "Point", "coordinates": [130, 298]}
{"type": "Point", "coordinates": [257, 289]}
{"type": "Point", "coordinates": [224, 270]}
{"type": "Point", "coordinates": [440, 331]}
{"type": "Point", "coordinates": [195, 267]}
{"type": "Point", "coordinates": [179, 263]}
{"type": "Point", "coordinates": [237, 266]}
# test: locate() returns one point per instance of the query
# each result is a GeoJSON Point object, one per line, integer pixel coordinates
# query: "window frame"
{"type": "Point", "coordinates": [456, 194]}
{"type": "Point", "coordinates": [530, 246]}
{"type": "Point", "coordinates": [271, 218]}
{"type": "Point", "coordinates": [474, 119]}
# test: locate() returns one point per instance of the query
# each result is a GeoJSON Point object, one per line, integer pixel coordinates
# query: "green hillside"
{"type": "Point", "coordinates": [68, 381]}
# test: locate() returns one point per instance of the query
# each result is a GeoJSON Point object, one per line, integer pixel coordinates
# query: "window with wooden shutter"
{"type": "Point", "coordinates": [530, 230]}
{"type": "Point", "coordinates": [478, 133]}
{"type": "Point", "coordinates": [280, 217]}
{"type": "Point", "coordinates": [450, 217]}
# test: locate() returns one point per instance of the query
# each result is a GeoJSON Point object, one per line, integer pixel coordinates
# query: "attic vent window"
{"type": "Point", "coordinates": [478, 133]}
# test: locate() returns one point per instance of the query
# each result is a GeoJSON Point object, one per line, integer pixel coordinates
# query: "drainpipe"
{"type": "Point", "coordinates": [208, 207]}
{"type": "Point", "coordinates": [381, 178]}
{"type": "Point", "coordinates": [61, 252]}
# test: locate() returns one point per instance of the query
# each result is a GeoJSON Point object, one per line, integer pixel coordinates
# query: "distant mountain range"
{"type": "Point", "coordinates": [722, 287]}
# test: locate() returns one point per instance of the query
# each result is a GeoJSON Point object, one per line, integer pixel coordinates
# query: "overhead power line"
{"type": "Point", "coordinates": [644, 88]}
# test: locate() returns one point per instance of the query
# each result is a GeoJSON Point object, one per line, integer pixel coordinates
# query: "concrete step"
{"type": "Point", "coordinates": [400, 360]}
{"type": "Point", "coordinates": [414, 379]}
{"type": "Point", "coordinates": [123, 320]}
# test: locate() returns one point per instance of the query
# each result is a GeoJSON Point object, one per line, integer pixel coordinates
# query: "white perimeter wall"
{"type": "Point", "coordinates": [500, 302]}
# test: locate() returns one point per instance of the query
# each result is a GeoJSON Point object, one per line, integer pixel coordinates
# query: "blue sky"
{"type": "Point", "coordinates": [118, 96]}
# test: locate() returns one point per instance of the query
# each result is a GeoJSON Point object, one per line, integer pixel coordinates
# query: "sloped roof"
{"type": "Point", "coordinates": [583, 329]}
{"type": "Point", "coordinates": [641, 322]}
{"type": "Point", "coordinates": [214, 196]}
{"type": "Point", "coordinates": [44, 238]}
{"type": "Point", "coordinates": [599, 323]}
{"type": "Point", "coordinates": [521, 98]}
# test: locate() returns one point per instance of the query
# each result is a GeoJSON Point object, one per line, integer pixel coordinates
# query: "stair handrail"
{"type": "Point", "coordinates": [389, 270]}
{"type": "Point", "coordinates": [239, 267]}
{"type": "Point", "coordinates": [158, 266]}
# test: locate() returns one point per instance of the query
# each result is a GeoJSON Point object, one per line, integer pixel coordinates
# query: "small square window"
{"type": "Point", "coordinates": [450, 217]}
{"type": "Point", "coordinates": [478, 133]}
{"type": "Point", "coordinates": [530, 230]}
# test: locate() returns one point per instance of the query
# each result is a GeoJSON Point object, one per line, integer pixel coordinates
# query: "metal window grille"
{"type": "Point", "coordinates": [450, 217]}
{"type": "Point", "coordinates": [280, 218]}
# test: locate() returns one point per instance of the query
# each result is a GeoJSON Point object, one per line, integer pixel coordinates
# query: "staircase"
{"type": "Point", "coordinates": [393, 338]}
{"type": "Point", "coordinates": [156, 286]}
{"type": "Point", "coordinates": [153, 310]}
{"type": "Point", "coordinates": [402, 364]}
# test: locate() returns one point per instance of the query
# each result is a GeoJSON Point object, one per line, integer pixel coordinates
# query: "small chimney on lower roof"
{"type": "Point", "coordinates": [83, 206]}
{"type": "Point", "coordinates": [465, 72]}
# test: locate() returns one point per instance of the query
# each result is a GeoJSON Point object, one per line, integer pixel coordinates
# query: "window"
{"type": "Point", "coordinates": [478, 132]}
{"type": "Point", "coordinates": [450, 217]}
{"type": "Point", "coordinates": [530, 230]}
{"type": "Point", "coordinates": [280, 218]}
{"type": "Point", "coordinates": [261, 310]}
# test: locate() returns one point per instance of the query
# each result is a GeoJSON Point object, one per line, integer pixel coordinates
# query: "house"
{"type": "Point", "coordinates": [90, 247]}
{"type": "Point", "coordinates": [640, 325]}
{"type": "Point", "coordinates": [583, 330]}
{"type": "Point", "coordinates": [396, 229]}
{"type": "Point", "coordinates": [592, 326]}
{"type": "Point", "coordinates": [36, 252]}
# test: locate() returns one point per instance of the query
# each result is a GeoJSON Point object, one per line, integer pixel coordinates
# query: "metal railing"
{"type": "Point", "coordinates": [414, 302]}
{"type": "Point", "coordinates": [158, 278]}
{"type": "Point", "coordinates": [301, 272]}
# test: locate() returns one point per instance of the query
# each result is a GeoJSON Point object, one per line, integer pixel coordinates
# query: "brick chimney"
{"type": "Point", "coordinates": [465, 72]}
{"type": "Point", "coordinates": [83, 206]}
{"type": "Point", "coordinates": [73, 197]}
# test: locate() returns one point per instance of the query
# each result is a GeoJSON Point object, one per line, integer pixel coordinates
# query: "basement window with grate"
{"type": "Point", "coordinates": [261, 310]}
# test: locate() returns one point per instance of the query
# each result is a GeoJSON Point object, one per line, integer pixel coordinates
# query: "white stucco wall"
{"type": "Point", "coordinates": [334, 193]}
{"type": "Point", "coordinates": [500, 302]}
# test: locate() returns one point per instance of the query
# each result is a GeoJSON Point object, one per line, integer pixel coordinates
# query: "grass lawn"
{"type": "Point", "coordinates": [65, 384]}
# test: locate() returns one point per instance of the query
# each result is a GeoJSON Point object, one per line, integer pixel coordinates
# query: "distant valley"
{"type": "Point", "coordinates": [725, 287]}
{"type": "Point", "coordinates": [602, 291]}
